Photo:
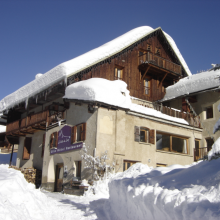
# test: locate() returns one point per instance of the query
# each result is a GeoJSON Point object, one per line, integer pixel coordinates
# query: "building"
{"type": "Point", "coordinates": [199, 94]}
{"type": "Point", "coordinates": [70, 106]}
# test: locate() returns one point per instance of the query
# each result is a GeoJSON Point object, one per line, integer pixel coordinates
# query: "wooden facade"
{"type": "Point", "coordinates": [149, 60]}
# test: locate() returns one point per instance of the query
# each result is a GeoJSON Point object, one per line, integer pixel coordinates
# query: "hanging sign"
{"type": "Point", "coordinates": [64, 141]}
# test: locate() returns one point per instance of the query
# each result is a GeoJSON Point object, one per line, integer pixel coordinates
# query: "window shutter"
{"type": "Point", "coordinates": [136, 133]}
{"type": "Point", "coordinates": [83, 133]}
{"type": "Point", "coordinates": [116, 73]}
{"type": "Point", "coordinates": [152, 138]}
{"type": "Point", "coordinates": [43, 146]}
{"type": "Point", "coordinates": [56, 138]}
{"type": "Point", "coordinates": [73, 134]}
{"type": "Point", "coordinates": [51, 140]}
{"type": "Point", "coordinates": [27, 148]}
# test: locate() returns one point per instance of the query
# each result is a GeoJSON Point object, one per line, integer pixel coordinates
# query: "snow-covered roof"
{"type": "Point", "coordinates": [84, 61]}
{"type": "Point", "coordinates": [114, 93]}
{"type": "Point", "coordinates": [194, 83]}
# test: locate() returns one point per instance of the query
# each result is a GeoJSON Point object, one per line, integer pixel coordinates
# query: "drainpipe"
{"type": "Point", "coordinates": [11, 155]}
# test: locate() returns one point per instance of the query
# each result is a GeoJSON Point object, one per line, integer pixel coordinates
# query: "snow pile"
{"type": "Point", "coordinates": [79, 63]}
{"type": "Point", "coordinates": [175, 192]}
{"type": "Point", "coordinates": [215, 149]}
{"type": "Point", "coordinates": [195, 83]}
{"type": "Point", "coordinates": [114, 93]}
{"type": "Point", "coordinates": [102, 90]}
{"type": "Point", "coordinates": [2, 128]}
{"type": "Point", "coordinates": [19, 200]}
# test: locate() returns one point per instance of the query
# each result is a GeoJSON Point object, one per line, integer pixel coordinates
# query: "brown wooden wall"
{"type": "Point", "coordinates": [131, 72]}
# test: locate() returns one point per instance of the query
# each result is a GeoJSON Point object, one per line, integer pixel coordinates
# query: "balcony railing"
{"type": "Point", "coordinates": [200, 153]}
{"type": "Point", "coordinates": [160, 62]}
{"type": "Point", "coordinates": [39, 120]}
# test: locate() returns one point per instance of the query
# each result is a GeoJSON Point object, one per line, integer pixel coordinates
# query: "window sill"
{"type": "Point", "coordinates": [145, 143]}
{"type": "Point", "coordinates": [171, 152]}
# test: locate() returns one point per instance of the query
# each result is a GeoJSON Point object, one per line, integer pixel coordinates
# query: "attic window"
{"type": "Point", "coordinates": [157, 51]}
{"type": "Point", "coordinates": [149, 47]}
{"type": "Point", "coordinates": [209, 112]}
{"type": "Point", "coordinates": [118, 73]}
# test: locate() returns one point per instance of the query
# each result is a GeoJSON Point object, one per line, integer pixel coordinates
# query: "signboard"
{"type": "Point", "coordinates": [64, 141]}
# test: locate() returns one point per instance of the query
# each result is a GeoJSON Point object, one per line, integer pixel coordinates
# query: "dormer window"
{"type": "Point", "coordinates": [118, 73]}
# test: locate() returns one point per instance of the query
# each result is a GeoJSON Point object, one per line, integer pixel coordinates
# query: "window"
{"type": "Point", "coordinates": [209, 112]}
{"type": "Point", "coordinates": [172, 143]}
{"type": "Point", "coordinates": [161, 165]}
{"type": "Point", "coordinates": [143, 134]}
{"type": "Point", "coordinates": [209, 142]}
{"type": "Point", "coordinates": [127, 164]}
{"type": "Point", "coordinates": [78, 133]}
{"type": "Point", "coordinates": [147, 86]}
{"type": "Point", "coordinates": [157, 51]}
{"type": "Point", "coordinates": [149, 47]}
{"type": "Point", "coordinates": [54, 140]}
{"type": "Point", "coordinates": [43, 146]}
{"type": "Point", "coordinates": [119, 72]}
{"type": "Point", "coordinates": [197, 150]}
{"type": "Point", "coordinates": [27, 148]}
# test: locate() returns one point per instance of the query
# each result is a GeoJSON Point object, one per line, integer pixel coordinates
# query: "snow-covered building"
{"type": "Point", "coordinates": [199, 94]}
{"type": "Point", "coordinates": [104, 99]}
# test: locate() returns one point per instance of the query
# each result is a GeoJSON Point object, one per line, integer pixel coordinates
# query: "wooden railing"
{"type": "Point", "coordinates": [160, 62]}
{"type": "Point", "coordinates": [190, 118]}
{"type": "Point", "coordinates": [200, 153]}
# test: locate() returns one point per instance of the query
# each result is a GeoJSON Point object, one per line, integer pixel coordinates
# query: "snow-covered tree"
{"type": "Point", "coordinates": [98, 164]}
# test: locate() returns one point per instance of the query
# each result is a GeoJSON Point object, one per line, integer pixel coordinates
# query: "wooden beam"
{"type": "Point", "coordinates": [145, 72]}
{"type": "Point", "coordinates": [162, 80]}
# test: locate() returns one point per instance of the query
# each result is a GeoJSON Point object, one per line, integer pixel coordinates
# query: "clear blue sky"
{"type": "Point", "coordinates": [38, 35]}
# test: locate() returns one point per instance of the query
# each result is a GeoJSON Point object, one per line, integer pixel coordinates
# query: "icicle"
{"type": "Point", "coordinates": [59, 123]}
{"type": "Point", "coordinates": [26, 103]}
{"type": "Point", "coordinates": [36, 98]}
{"type": "Point", "coordinates": [65, 80]}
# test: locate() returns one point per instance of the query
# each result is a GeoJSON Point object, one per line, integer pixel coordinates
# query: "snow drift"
{"type": "Point", "coordinates": [79, 63]}
{"type": "Point", "coordinates": [168, 193]}
{"type": "Point", "coordinates": [114, 93]}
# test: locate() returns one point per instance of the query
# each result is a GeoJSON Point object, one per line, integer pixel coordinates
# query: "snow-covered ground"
{"type": "Point", "coordinates": [176, 192]}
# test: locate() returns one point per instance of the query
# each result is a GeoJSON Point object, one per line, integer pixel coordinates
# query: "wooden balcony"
{"type": "Point", "coordinates": [159, 62]}
{"type": "Point", "coordinates": [33, 123]}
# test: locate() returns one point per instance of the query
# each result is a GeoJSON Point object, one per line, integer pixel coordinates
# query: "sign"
{"type": "Point", "coordinates": [64, 141]}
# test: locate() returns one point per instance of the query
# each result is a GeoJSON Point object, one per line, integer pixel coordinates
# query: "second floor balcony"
{"type": "Point", "coordinates": [159, 62]}
{"type": "Point", "coordinates": [33, 122]}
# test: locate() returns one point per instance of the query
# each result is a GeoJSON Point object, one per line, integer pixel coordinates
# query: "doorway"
{"type": "Point", "coordinates": [78, 169]}
{"type": "Point", "coordinates": [59, 177]}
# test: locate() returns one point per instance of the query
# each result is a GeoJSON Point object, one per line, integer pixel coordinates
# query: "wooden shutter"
{"type": "Point", "coordinates": [83, 132]}
{"type": "Point", "coordinates": [51, 140]}
{"type": "Point", "coordinates": [27, 148]}
{"type": "Point", "coordinates": [43, 146]}
{"type": "Point", "coordinates": [151, 138]}
{"type": "Point", "coordinates": [73, 134]}
{"type": "Point", "coordinates": [56, 138]}
{"type": "Point", "coordinates": [136, 133]}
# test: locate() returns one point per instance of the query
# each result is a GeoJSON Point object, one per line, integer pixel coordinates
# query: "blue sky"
{"type": "Point", "coordinates": [38, 35]}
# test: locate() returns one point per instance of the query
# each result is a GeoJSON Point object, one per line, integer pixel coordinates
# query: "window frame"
{"type": "Point", "coordinates": [149, 79]}
{"type": "Point", "coordinates": [74, 134]}
{"type": "Point", "coordinates": [151, 134]}
{"type": "Point", "coordinates": [116, 69]}
{"type": "Point", "coordinates": [125, 164]}
{"type": "Point", "coordinates": [171, 143]}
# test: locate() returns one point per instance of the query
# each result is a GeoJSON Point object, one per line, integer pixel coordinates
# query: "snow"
{"type": "Point", "coordinates": [194, 83]}
{"type": "Point", "coordinates": [114, 93]}
{"type": "Point", "coordinates": [215, 149]}
{"type": "Point", "coordinates": [2, 128]}
{"type": "Point", "coordinates": [79, 63]}
{"type": "Point", "coordinates": [176, 192]}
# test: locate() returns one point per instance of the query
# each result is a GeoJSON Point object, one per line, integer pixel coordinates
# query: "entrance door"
{"type": "Point", "coordinates": [59, 177]}
{"type": "Point", "coordinates": [78, 169]}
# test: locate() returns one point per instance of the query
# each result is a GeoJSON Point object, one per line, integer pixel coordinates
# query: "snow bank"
{"type": "Point", "coordinates": [2, 128]}
{"type": "Point", "coordinates": [194, 83]}
{"type": "Point", "coordinates": [79, 63]}
{"type": "Point", "coordinates": [215, 149]}
{"type": "Point", "coordinates": [175, 192]}
{"type": "Point", "coordinates": [19, 200]}
{"type": "Point", "coordinates": [113, 93]}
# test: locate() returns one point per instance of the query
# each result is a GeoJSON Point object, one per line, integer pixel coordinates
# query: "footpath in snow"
{"type": "Point", "coordinates": [176, 192]}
